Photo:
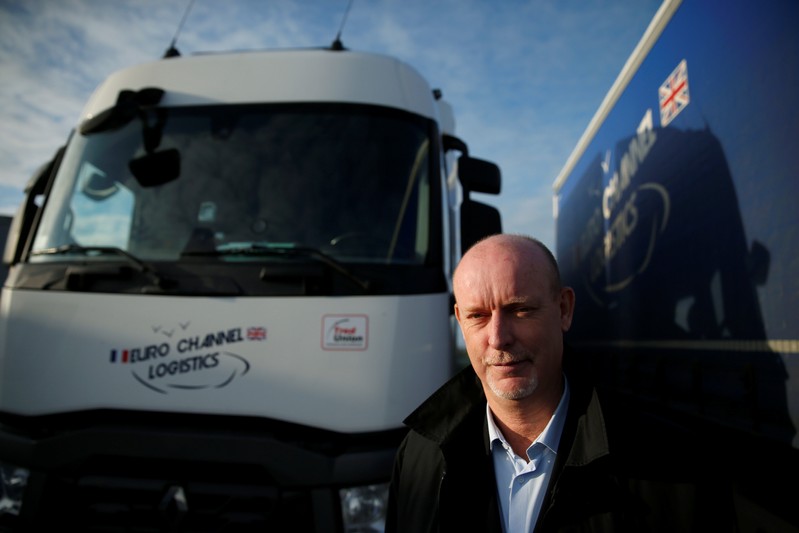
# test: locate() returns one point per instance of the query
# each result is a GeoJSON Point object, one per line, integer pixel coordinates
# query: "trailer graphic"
{"type": "Point", "coordinates": [676, 223]}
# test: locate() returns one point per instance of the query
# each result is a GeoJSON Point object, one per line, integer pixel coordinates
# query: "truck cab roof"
{"type": "Point", "coordinates": [278, 76]}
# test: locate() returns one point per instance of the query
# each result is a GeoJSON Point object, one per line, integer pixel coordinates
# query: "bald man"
{"type": "Point", "coordinates": [516, 443]}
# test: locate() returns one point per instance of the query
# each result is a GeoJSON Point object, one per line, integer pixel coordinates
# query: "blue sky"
{"type": "Point", "coordinates": [524, 77]}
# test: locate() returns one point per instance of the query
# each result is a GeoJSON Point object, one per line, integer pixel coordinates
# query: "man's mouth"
{"type": "Point", "coordinates": [508, 363]}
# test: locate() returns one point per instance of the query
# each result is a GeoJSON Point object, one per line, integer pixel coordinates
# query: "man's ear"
{"type": "Point", "coordinates": [567, 298]}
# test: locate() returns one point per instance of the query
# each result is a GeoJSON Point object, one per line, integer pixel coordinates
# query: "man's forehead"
{"type": "Point", "coordinates": [505, 266]}
{"type": "Point", "coordinates": [480, 288]}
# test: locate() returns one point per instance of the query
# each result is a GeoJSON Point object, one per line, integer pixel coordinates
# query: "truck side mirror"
{"type": "Point", "coordinates": [477, 175]}
{"type": "Point", "coordinates": [478, 220]}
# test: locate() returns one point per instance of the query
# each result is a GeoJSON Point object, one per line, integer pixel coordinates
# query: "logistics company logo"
{"type": "Point", "coordinates": [345, 332]}
{"type": "Point", "coordinates": [193, 362]}
{"type": "Point", "coordinates": [621, 235]}
{"type": "Point", "coordinates": [673, 94]}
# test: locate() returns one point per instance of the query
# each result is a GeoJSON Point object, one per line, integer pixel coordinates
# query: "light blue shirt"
{"type": "Point", "coordinates": [522, 485]}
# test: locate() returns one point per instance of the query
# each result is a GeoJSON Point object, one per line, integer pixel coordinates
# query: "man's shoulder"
{"type": "Point", "coordinates": [645, 441]}
{"type": "Point", "coordinates": [450, 407]}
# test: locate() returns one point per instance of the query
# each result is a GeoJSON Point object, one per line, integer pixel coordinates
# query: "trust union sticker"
{"type": "Point", "coordinates": [345, 332]}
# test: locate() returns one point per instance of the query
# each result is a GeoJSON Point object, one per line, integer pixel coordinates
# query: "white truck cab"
{"type": "Point", "coordinates": [228, 289]}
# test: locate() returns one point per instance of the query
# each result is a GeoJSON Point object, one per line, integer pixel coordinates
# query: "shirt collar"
{"type": "Point", "coordinates": [550, 437]}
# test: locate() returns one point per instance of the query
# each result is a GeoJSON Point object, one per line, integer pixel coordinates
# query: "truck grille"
{"type": "Point", "coordinates": [173, 497]}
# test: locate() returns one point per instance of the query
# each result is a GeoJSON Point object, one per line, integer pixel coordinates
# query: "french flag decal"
{"type": "Point", "coordinates": [123, 359]}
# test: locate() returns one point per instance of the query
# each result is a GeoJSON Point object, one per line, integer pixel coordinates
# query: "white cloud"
{"type": "Point", "coordinates": [524, 77]}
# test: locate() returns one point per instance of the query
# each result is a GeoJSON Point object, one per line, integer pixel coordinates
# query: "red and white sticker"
{"type": "Point", "coordinates": [345, 332]}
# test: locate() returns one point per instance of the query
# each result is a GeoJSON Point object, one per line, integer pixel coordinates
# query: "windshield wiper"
{"type": "Point", "coordinates": [140, 265]}
{"type": "Point", "coordinates": [287, 251]}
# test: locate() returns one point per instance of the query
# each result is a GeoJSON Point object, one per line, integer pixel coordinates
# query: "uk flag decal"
{"type": "Point", "coordinates": [256, 334]}
{"type": "Point", "coordinates": [673, 94]}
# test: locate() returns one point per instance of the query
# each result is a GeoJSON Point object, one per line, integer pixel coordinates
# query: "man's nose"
{"type": "Point", "coordinates": [499, 335]}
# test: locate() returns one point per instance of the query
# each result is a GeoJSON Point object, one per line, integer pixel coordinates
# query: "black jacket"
{"type": "Point", "coordinates": [616, 470]}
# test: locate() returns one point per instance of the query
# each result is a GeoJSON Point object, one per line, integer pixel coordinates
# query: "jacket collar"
{"type": "Point", "coordinates": [462, 398]}
{"type": "Point", "coordinates": [585, 429]}
{"type": "Point", "coordinates": [447, 408]}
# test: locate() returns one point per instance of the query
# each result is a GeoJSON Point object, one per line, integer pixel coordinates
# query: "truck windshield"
{"type": "Point", "coordinates": [194, 183]}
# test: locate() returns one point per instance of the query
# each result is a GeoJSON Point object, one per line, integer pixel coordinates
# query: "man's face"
{"type": "Point", "coordinates": [511, 320]}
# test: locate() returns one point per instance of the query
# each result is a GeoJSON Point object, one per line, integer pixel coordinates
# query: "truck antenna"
{"type": "Point", "coordinates": [337, 44]}
{"type": "Point", "coordinates": [172, 51]}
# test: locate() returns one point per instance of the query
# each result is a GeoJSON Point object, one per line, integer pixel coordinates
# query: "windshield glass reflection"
{"type": "Point", "coordinates": [185, 183]}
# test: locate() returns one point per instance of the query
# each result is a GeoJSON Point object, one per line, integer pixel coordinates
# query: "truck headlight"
{"type": "Point", "coordinates": [364, 508]}
{"type": "Point", "coordinates": [13, 481]}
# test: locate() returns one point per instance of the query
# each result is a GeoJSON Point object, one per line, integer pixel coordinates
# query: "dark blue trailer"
{"type": "Point", "coordinates": [677, 223]}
